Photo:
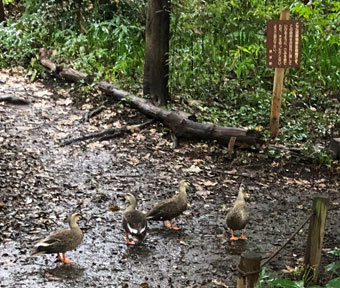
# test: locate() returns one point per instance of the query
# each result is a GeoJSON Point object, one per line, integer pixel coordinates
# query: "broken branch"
{"type": "Point", "coordinates": [105, 134]}
{"type": "Point", "coordinates": [181, 126]}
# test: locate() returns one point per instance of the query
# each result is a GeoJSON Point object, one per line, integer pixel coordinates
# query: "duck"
{"type": "Point", "coordinates": [62, 240]}
{"type": "Point", "coordinates": [171, 208]}
{"type": "Point", "coordinates": [134, 222]}
{"type": "Point", "coordinates": [238, 216]}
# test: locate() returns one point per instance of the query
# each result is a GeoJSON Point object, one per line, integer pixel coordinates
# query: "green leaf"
{"type": "Point", "coordinates": [334, 283]}
{"type": "Point", "coordinates": [286, 283]}
{"type": "Point", "coordinates": [335, 252]}
{"type": "Point", "coordinates": [333, 266]}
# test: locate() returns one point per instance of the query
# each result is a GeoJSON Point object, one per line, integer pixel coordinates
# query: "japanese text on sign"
{"type": "Point", "coordinates": [283, 43]}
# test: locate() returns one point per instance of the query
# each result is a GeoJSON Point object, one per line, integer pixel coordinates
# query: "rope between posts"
{"type": "Point", "coordinates": [245, 274]}
{"type": "Point", "coordinates": [289, 239]}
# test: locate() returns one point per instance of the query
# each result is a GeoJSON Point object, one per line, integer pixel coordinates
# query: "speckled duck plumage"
{"type": "Point", "coordinates": [238, 216]}
{"type": "Point", "coordinates": [62, 240]}
{"type": "Point", "coordinates": [134, 222]}
{"type": "Point", "coordinates": [171, 208]}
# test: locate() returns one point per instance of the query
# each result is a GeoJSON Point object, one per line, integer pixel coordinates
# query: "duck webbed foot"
{"type": "Point", "coordinates": [172, 226]}
{"type": "Point", "coordinates": [128, 242]}
{"type": "Point", "coordinates": [63, 258]}
{"type": "Point", "coordinates": [233, 238]}
{"type": "Point", "coordinates": [243, 237]}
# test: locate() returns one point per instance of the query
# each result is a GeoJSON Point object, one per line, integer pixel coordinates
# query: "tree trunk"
{"type": "Point", "coordinates": [2, 12]}
{"type": "Point", "coordinates": [156, 66]}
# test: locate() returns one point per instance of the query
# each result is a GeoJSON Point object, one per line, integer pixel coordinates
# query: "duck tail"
{"type": "Point", "coordinates": [36, 252]}
{"type": "Point", "coordinates": [39, 249]}
{"type": "Point", "coordinates": [151, 215]}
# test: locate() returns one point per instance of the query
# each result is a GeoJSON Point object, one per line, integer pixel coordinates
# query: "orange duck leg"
{"type": "Point", "coordinates": [233, 238]}
{"type": "Point", "coordinates": [128, 242]}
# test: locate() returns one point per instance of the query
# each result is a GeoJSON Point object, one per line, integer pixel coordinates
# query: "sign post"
{"type": "Point", "coordinates": [283, 50]}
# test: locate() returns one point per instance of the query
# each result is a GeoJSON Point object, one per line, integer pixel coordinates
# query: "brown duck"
{"type": "Point", "coordinates": [134, 222]}
{"type": "Point", "coordinates": [170, 208]}
{"type": "Point", "coordinates": [238, 216]}
{"type": "Point", "coordinates": [61, 241]}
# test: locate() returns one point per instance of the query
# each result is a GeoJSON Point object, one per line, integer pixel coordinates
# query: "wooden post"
{"type": "Point", "coordinates": [315, 239]}
{"type": "Point", "coordinates": [249, 269]}
{"type": "Point", "coordinates": [277, 91]}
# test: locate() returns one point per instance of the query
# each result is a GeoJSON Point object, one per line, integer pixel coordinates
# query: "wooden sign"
{"type": "Point", "coordinates": [283, 43]}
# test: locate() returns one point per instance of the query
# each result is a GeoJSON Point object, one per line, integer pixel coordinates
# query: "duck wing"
{"type": "Point", "coordinates": [58, 242]}
{"type": "Point", "coordinates": [166, 210]}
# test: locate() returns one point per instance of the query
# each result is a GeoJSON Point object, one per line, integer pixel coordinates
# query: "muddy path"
{"type": "Point", "coordinates": [41, 182]}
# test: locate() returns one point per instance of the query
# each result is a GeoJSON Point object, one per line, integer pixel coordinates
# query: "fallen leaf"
{"type": "Point", "coordinates": [140, 137]}
{"type": "Point", "coordinates": [95, 145]}
{"type": "Point", "coordinates": [220, 283]}
{"type": "Point", "coordinates": [117, 124]}
{"type": "Point", "coordinates": [290, 269]}
{"type": "Point", "coordinates": [233, 171]}
{"type": "Point", "coordinates": [133, 161]}
{"type": "Point", "coordinates": [193, 169]}
{"type": "Point", "coordinates": [209, 183]}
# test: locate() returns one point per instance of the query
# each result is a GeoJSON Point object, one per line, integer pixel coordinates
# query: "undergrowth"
{"type": "Point", "coordinates": [217, 58]}
{"type": "Point", "coordinates": [268, 280]}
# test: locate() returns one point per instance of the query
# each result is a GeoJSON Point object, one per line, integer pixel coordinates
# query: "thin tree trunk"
{"type": "Point", "coordinates": [2, 12]}
{"type": "Point", "coordinates": [156, 66]}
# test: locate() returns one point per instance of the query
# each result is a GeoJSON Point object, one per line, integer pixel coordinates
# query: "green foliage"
{"type": "Point", "coordinates": [112, 45]}
{"type": "Point", "coordinates": [214, 41]}
{"type": "Point", "coordinates": [19, 41]}
{"type": "Point", "coordinates": [268, 280]}
{"type": "Point", "coordinates": [335, 252]}
{"type": "Point", "coordinates": [334, 267]}
{"type": "Point", "coordinates": [218, 56]}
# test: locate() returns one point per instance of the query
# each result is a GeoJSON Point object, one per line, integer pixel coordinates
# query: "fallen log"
{"type": "Point", "coordinates": [182, 126]}
{"type": "Point", "coordinates": [68, 74]}
{"type": "Point", "coordinates": [46, 62]}
{"type": "Point", "coordinates": [179, 124]}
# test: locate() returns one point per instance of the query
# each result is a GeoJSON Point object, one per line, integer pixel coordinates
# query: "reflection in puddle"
{"type": "Point", "coordinates": [63, 272]}
{"type": "Point", "coordinates": [236, 247]}
{"type": "Point", "coordinates": [138, 252]}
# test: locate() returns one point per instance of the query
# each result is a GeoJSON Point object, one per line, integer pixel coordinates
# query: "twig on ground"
{"type": "Point", "coordinates": [92, 113]}
{"type": "Point", "coordinates": [106, 134]}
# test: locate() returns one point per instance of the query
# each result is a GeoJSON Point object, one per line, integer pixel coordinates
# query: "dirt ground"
{"type": "Point", "coordinates": [42, 182]}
